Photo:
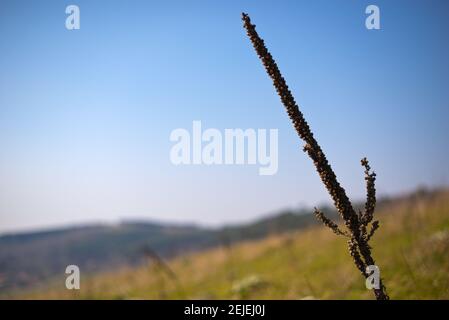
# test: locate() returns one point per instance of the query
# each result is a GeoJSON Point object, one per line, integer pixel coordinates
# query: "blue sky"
{"type": "Point", "coordinates": [85, 115]}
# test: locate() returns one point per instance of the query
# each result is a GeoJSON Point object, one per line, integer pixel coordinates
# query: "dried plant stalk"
{"type": "Point", "coordinates": [356, 223]}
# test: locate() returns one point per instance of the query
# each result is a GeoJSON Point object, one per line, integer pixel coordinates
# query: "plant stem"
{"type": "Point", "coordinates": [358, 245]}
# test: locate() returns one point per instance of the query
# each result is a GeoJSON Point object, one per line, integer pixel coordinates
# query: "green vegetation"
{"type": "Point", "coordinates": [312, 263]}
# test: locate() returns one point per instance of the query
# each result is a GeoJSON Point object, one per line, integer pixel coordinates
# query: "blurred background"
{"type": "Point", "coordinates": [85, 172]}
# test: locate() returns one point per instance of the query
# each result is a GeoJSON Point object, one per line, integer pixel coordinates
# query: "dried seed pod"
{"type": "Point", "coordinates": [329, 223]}
{"type": "Point", "coordinates": [355, 223]}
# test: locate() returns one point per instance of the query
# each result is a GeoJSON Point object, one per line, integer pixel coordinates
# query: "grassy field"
{"type": "Point", "coordinates": [411, 249]}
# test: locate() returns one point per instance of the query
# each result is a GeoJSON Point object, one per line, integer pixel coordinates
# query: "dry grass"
{"type": "Point", "coordinates": [311, 263]}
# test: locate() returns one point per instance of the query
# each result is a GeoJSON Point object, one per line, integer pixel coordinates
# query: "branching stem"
{"type": "Point", "coordinates": [356, 224]}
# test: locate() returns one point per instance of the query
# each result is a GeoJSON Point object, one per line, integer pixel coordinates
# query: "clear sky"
{"type": "Point", "coordinates": [85, 115]}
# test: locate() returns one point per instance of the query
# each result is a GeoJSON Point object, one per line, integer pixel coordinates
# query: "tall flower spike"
{"type": "Point", "coordinates": [324, 169]}
{"type": "Point", "coordinates": [358, 244]}
{"type": "Point", "coordinates": [370, 193]}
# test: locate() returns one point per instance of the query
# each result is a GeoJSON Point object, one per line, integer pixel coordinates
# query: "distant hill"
{"type": "Point", "coordinates": [30, 258]}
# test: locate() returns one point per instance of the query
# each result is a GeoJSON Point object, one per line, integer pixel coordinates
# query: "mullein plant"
{"type": "Point", "coordinates": [360, 226]}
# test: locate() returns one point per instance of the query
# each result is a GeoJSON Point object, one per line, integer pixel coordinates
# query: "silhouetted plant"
{"type": "Point", "coordinates": [357, 224]}
{"type": "Point", "coordinates": [161, 265]}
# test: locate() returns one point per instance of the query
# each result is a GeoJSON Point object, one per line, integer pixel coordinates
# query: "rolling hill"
{"type": "Point", "coordinates": [282, 256]}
